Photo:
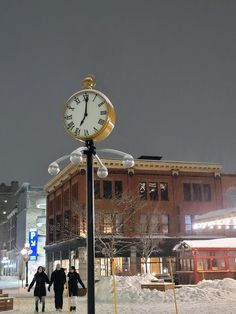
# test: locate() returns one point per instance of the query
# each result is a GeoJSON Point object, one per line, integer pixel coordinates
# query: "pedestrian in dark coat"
{"type": "Point", "coordinates": [58, 279]}
{"type": "Point", "coordinates": [40, 279]}
{"type": "Point", "coordinates": [74, 279]}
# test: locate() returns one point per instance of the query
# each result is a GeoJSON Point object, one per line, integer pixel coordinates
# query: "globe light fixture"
{"type": "Point", "coordinates": [76, 157]}
{"type": "Point", "coordinates": [53, 168]}
{"type": "Point", "coordinates": [102, 172]}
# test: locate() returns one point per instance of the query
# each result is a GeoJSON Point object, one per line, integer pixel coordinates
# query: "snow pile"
{"type": "Point", "coordinates": [129, 290]}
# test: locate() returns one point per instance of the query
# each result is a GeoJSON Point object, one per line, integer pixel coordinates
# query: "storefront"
{"type": "Point", "coordinates": [205, 259]}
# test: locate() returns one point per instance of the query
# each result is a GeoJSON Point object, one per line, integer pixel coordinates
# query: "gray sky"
{"type": "Point", "coordinates": [167, 66]}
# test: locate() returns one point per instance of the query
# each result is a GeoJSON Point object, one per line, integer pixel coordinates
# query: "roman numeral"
{"type": "Point", "coordinates": [86, 132]}
{"type": "Point", "coordinates": [101, 103]}
{"type": "Point", "coordinates": [77, 131]}
{"type": "Point", "coordinates": [68, 117]}
{"type": "Point", "coordinates": [101, 121]}
{"type": "Point", "coordinates": [96, 130]}
{"type": "Point", "coordinates": [103, 112]}
{"type": "Point", "coordinates": [95, 97]}
{"type": "Point", "coordinates": [76, 99]}
{"type": "Point", "coordinates": [69, 107]}
{"type": "Point", "coordinates": [71, 125]}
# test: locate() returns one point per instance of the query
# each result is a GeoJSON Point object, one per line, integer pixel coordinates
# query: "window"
{"type": "Point", "coordinates": [153, 191]}
{"type": "Point", "coordinates": [67, 223]}
{"type": "Point", "coordinates": [143, 223]}
{"type": "Point", "coordinates": [107, 189]}
{"type": "Point", "coordinates": [154, 225]}
{"type": "Point", "coordinates": [66, 198]}
{"type": "Point", "coordinates": [165, 223]}
{"type": "Point", "coordinates": [58, 227]}
{"type": "Point", "coordinates": [188, 223]}
{"type": "Point", "coordinates": [51, 230]}
{"type": "Point", "coordinates": [118, 189]}
{"type": "Point", "coordinates": [119, 223]}
{"type": "Point", "coordinates": [187, 192]}
{"type": "Point", "coordinates": [164, 191]}
{"type": "Point", "coordinates": [97, 222]}
{"type": "Point", "coordinates": [75, 193]}
{"type": "Point", "coordinates": [197, 193]}
{"type": "Point", "coordinates": [58, 203]}
{"type": "Point", "coordinates": [82, 222]}
{"type": "Point", "coordinates": [107, 223]}
{"type": "Point", "coordinates": [97, 189]}
{"type": "Point", "coordinates": [143, 190]}
{"type": "Point", "coordinates": [75, 224]}
{"type": "Point", "coordinates": [207, 192]}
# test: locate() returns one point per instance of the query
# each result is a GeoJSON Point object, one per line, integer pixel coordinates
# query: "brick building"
{"type": "Point", "coordinates": [155, 198]}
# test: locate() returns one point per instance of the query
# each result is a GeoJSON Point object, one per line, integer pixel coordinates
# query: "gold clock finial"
{"type": "Point", "coordinates": [89, 81]}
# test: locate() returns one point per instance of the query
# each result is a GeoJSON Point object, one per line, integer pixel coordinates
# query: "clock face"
{"type": "Point", "coordinates": [86, 114]}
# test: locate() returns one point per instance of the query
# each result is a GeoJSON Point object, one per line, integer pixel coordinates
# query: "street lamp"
{"type": "Point", "coordinates": [25, 252]}
{"type": "Point", "coordinates": [89, 117]}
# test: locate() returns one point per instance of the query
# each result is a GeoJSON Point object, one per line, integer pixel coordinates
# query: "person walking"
{"type": "Point", "coordinates": [40, 279]}
{"type": "Point", "coordinates": [73, 280]}
{"type": "Point", "coordinates": [58, 279]}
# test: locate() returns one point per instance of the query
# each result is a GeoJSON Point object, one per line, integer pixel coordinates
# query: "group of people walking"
{"type": "Point", "coordinates": [58, 280]}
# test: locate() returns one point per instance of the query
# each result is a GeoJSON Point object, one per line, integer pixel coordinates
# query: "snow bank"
{"type": "Point", "coordinates": [129, 290]}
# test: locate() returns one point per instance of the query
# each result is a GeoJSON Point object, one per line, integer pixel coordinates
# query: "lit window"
{"type": "Point", "coordinates": [188, 223]}
{"type": "Point", "coordinates": [143, 190]}
{"type": "Point", "coordinates": [107, 223]}
{"type": "Point", "coordinates": [153, 191]}
{"type": "Point", "coordinates": [164, 191]}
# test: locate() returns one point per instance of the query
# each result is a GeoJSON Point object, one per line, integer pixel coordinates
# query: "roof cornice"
{"type": "Point", "coordinates": [140, 165]}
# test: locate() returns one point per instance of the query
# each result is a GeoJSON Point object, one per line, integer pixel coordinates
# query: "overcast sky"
{"type": "Point", "coordinates": [169, 67]}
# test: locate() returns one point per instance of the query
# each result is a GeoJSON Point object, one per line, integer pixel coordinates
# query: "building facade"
{"type": "Point", "coordinates": [155, 199]}
{"type": "Point", "coordinates": [8, 205]}
{"type": "Point", "coordinates": [31, 221]}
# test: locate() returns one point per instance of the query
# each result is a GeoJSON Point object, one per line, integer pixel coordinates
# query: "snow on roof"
{"type": "Point", "coordinates": [215, 243]}
{"type": "Point", "coordinates": [219, 213]}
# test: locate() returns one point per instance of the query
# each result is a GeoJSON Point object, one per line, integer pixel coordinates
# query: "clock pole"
{"type": "Point", "coordinates": [90, 227]}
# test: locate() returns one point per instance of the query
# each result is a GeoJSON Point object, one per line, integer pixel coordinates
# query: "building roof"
{"type": "Point", "coordinates": [215, 243]}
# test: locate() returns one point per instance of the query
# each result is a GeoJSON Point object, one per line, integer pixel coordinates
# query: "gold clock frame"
{"type": "Point", "coordinates": [108, 126]}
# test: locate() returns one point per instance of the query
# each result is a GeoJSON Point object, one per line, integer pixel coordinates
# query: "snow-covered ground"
{"type": "Point", "coordinates": [208, 297]}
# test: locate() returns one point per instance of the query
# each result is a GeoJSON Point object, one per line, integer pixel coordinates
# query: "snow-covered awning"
{"type": "Point", "coordinates": [197, 244]}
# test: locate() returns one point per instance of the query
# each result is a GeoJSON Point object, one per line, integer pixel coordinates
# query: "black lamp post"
{"type": "Point", "coordinates": [90, 226]}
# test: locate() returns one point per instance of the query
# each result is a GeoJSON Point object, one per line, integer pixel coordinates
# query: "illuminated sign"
{"type": "Point", "coordinates": [33, 242]}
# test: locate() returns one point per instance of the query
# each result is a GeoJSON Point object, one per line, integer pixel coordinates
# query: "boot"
{"type": "Point", "coordinates": [36, 309]}
{"type": "Point", "coordinates": [71, 308]}
{"type": "Point", "coordinates": [74, 308]}
{"type": "Point", "coordinates": [43, 307]}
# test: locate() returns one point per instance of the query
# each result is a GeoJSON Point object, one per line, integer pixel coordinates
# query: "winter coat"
{"type": "Point", "coordinates": [74, 279]}
{"type": "Point", "coordinates": [40, 279]}
{"type": "Point", "coordinates": [58, 279]}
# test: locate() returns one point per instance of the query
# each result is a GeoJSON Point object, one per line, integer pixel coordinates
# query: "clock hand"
{"type": "Point", "coordinates": [86, 98]}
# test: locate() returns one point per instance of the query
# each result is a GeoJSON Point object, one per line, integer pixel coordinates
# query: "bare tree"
{"type": "Point", "coordinates": [114, 227]}
{"type": "Point", "coordinates": [149, 236]}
